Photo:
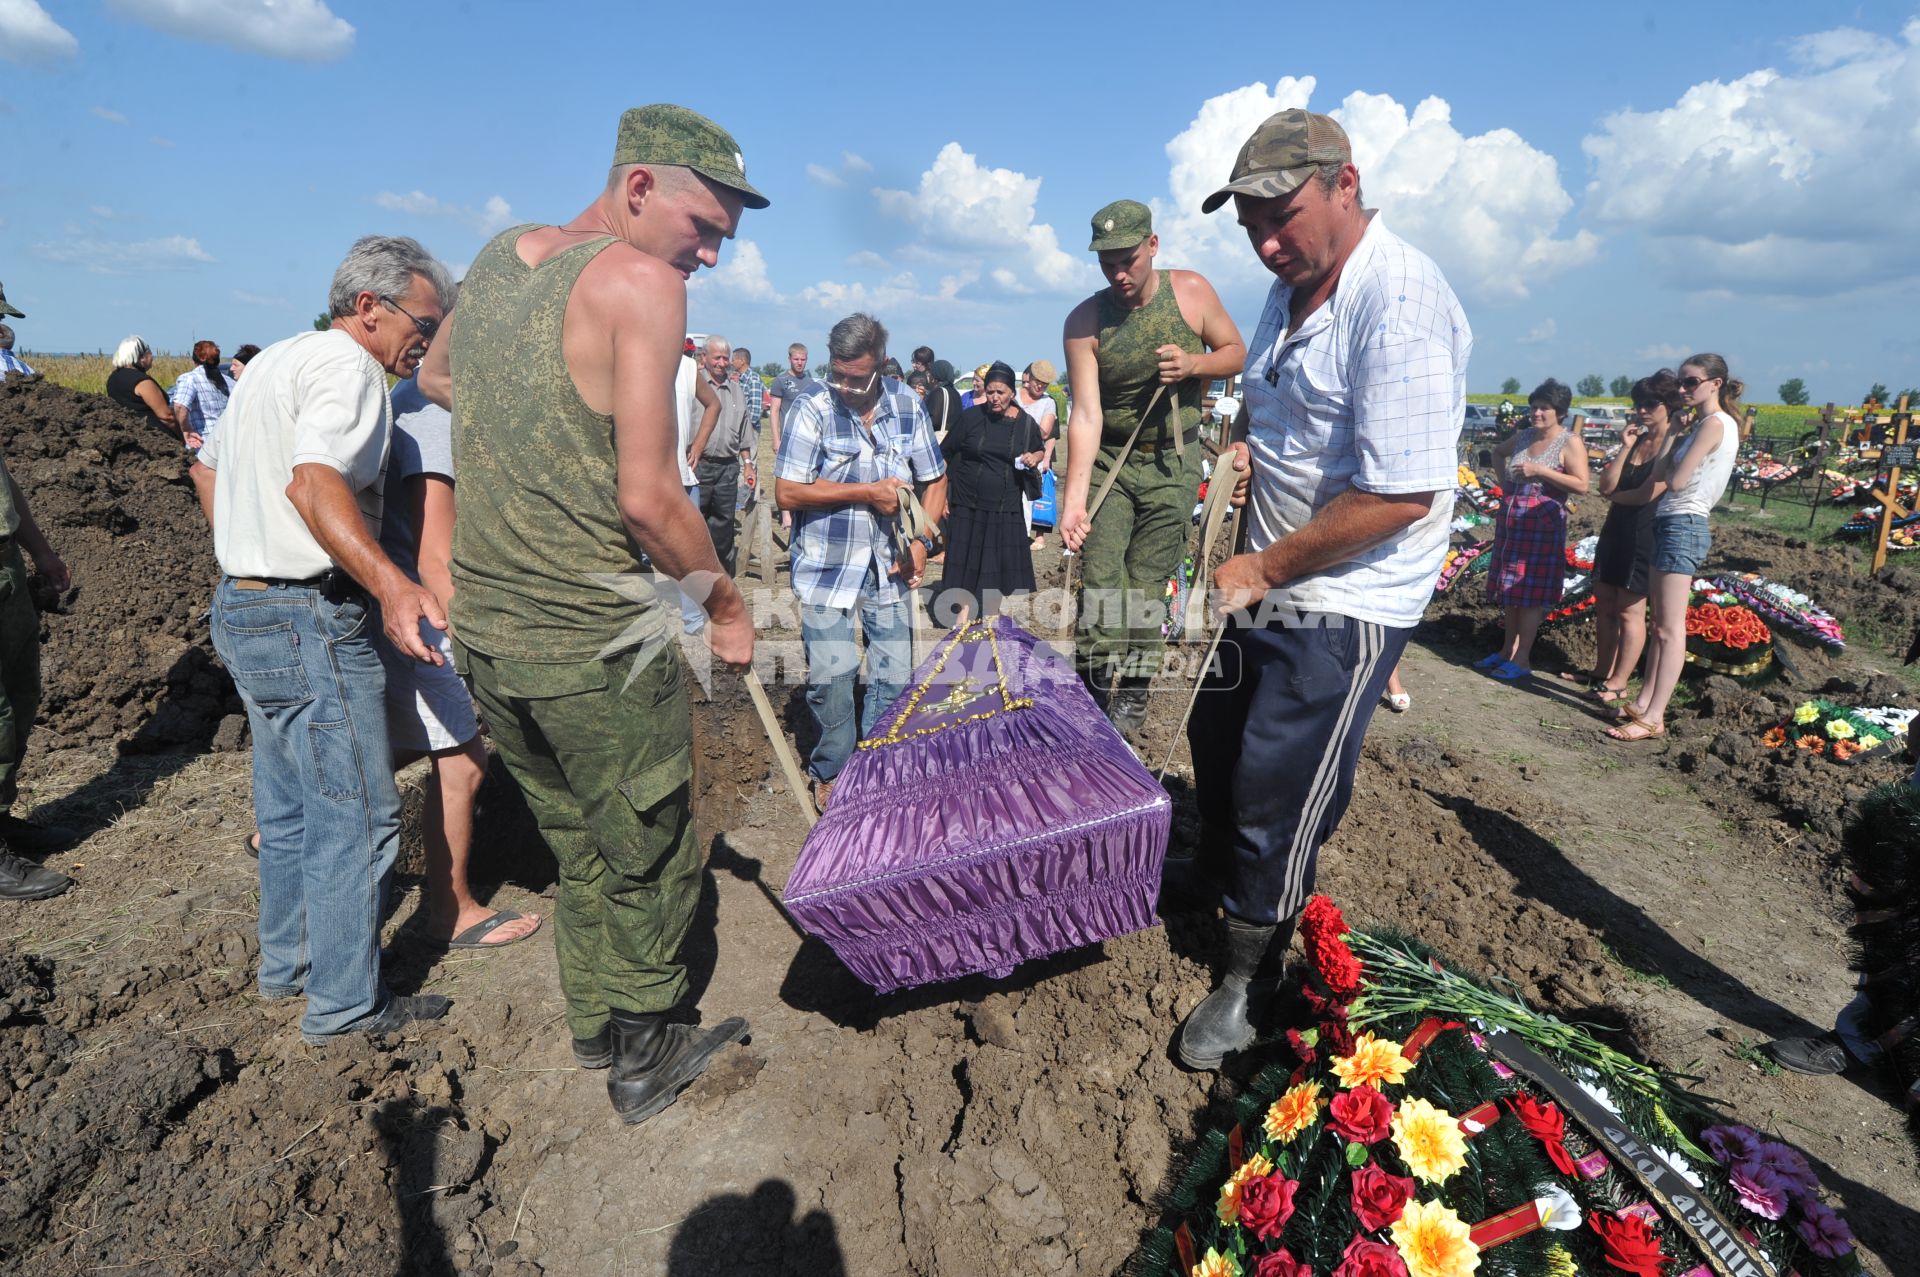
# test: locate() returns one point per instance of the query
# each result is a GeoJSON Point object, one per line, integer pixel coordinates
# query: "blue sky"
{"type": "Point", "coordinates": [1608, 188]}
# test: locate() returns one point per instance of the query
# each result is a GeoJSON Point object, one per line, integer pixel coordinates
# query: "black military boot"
{"type": "Point", "coordinates": [654, 1060]}
{"type": "Point", "coordinates": [595, 1052]}
{"type": "Point", "coordinates": [1099, 689]}
{"type": "Point", "coordinates": [1128, 710]}
{"type": "Point", "coordinates": [1233, 1015]}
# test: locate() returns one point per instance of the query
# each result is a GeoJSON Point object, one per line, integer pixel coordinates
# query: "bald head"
{"type": "Point", "coordinates": [6, 337]}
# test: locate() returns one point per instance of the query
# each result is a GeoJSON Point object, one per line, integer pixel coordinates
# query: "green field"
{"type": "Point", "coordinates": [89, 372]}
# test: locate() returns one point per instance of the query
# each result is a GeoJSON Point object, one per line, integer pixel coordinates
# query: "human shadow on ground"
{"type": "Point", "coordinates": [436, 1158]}
{"type": "Point", "coordinates": [1542, 872]}
{"type": "Point", "coordinates": [756, 1235]}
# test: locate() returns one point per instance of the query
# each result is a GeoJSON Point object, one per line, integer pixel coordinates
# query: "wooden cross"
{"type": "Point", "coordinates": [1895, 455]}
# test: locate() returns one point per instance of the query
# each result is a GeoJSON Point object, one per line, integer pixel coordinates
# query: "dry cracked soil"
{"type": "Point", "coordinates": [158, 1117]}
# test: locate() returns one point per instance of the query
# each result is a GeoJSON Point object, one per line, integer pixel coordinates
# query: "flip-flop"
{"type": "Point", "coordinates": [474, 937]}
{"type": "Point", "coordinates": [253, 848]}
{"type": "Point", "coordinates": [1507, 672]}
{"type": "Point", "coordinates": [1634, 720]}
{"type": "Point", "coordinates": [1488, 662]}
{"type": "Point", "coordinates": [1601, 694]}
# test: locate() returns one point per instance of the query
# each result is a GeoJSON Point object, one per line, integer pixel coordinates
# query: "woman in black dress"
{"type": "Point", "coordinates": [988, 449]}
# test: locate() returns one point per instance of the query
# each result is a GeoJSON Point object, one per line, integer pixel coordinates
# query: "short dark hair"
{"type": "Point", "coordinates": [1556, 395]}
{"type": "Point", "coordinates": [246, 353]}
{"type": "Point", "coordinates": [923, 355]}
{"type": "Point", "coordinates": [743, 354]}
{"type": "Point", "coordinates": [1662, 387]}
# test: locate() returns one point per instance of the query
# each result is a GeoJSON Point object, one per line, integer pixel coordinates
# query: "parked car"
{"type": "Point", "coordinates": [1482, 422]}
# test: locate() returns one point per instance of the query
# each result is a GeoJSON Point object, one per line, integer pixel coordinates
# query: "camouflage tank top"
{"type": "Point", "coordinates": [1130, 370]}
{"type": "Point", "coordinates": [543, 568]}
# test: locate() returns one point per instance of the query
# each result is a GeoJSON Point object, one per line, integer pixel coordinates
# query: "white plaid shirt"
{"type": "Point", "coordinates": [204, 400]}
{"type": "Point", "coordinates": [1369, 393]}
{"type": "Point", "coordinates": [10, 362]}
{"type": "Point", "coordinates": [821, 439]}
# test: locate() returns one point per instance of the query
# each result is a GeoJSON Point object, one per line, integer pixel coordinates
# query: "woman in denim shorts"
{"type": "Point", "coordinates": [1697, 469]}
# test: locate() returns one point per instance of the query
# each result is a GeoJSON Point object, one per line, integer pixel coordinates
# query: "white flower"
{"type": "Point", "coordinates": [1557, 1208]}
{"type": "Point", "coordinates": [1598, 1094]}
{"type": "Point", "coordinates": [1679, 1166]}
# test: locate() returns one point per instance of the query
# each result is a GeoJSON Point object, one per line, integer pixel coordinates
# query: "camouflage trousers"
{"type": "Point", "coordinates": [606, 766]}
{"type": "Point", "coordinates": [19, 669]}
{"type": "Point", "coordinates": [1138, 539]}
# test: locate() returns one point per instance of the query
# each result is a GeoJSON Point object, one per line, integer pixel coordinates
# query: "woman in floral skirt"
{"type": "Point", "coordinates": [1538, 468]}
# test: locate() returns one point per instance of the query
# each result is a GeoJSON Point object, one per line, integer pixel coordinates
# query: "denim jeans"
{"type": "Point", "coordinates": [833, 663]}
{"type": "Point", "coordinates": [693, 616]}
{"type": "Point", "coordinates": [323, 792]}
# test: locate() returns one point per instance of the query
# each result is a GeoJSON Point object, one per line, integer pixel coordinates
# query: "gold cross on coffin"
{"type": "Point", "coordinates": [964, 693]}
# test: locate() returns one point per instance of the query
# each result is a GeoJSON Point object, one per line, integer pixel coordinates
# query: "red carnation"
{"type": "Point", "coordinates": [1363, 1258]}
{"type": "Point", "coordinates": [1266, 1204]}
{"type": "Point", "coordinates": [1322, 918]}
{"type": "Point", "coordinates": [1306, 1053]}
{"type": "Point", "coordinates": [1630, 1245]}
{"type": "Point", "coordinates": [1379, 1199]}
{"type": "Point", "coordinates": [1336, 1037]}
{"type": "Point", "coordinates": [1546, 1123]}
{"type": "Point", "coordinates": [1361, 1115]}
{"type": "Point", "coordinates": [1280, 1263]}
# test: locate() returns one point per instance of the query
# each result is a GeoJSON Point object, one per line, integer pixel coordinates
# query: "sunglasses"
{"type": "Point", "coordinates": [849, 388]}
{"type": "Point", "coordinates": [426, 327]}
{"type": "Point", "coordinates": [1691, 384]}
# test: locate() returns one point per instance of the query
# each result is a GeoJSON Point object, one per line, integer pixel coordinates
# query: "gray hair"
{"type": "Point", "coordinates": [130, 352]}
{"type": "Point", "coordinates": [716, 341]}
{"type": "Point", "coordinates": [6, 337]}
{"type": "Point", "coordinates": [385, 265]}
{"type": "Point", "coordinates": [856, 335]}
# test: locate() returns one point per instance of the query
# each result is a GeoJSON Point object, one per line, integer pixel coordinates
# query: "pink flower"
{"type": "Point", "coordinates": [1730, 1144]}
{"type": "Point", "coordinates": [1785, 1161]}
{"type": "Point", "coordinates": [1824, 1232]}
{"type": "Point", "coordinates": [1761, 1189]}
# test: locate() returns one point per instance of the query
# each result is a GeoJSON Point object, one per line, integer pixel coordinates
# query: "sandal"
{"type": "Point", "coordinates": [1508, 672]}
{"type": "Point", "coordinates": [1647, 731]}
{"type": "Point", "coordinates": [475, 937]}
{"type": "Point", "coordinates": [1585, 682]}
{"type": "Point", "coordinates": [1488, 662]}
{"type": "Point", "coordinates": [1601, 694]}
{"type": "Point", "coordinates": [1398, 702]}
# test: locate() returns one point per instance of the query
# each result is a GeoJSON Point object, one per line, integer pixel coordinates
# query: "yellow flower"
{"type": "Point", "coordinates": [1216, 1265]}
{"type": "Point", "coordinates": [1375, 1062]}
{"type": "Point", "coordinates": [1840, 729]}
{"type": "Point", "coordinates": [1435, 1242]}
{"type": "Point", "coordinates": [1560, 1263]}
{"type": "Point", "coordinates": [1229, 1208]}
{"type": "Point", "coordinates": [1293, 1112]}
{"type": "Point", "coordinates": [1429, 1140]}
{"type": "Point", "coordinates": [1806, 713]}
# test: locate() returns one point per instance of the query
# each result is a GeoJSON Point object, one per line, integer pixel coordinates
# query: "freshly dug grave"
{"type": "Point", "coordinates": [125, 657]}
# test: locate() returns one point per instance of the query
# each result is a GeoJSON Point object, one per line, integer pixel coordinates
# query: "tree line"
{"type": "Point", "coordinates": [1793, 393]}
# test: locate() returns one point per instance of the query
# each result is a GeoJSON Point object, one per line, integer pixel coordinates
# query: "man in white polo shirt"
{"type": "Point", "coordinates": [295, 474]}
{"type": "Point", "coordinates": [1354, 391]}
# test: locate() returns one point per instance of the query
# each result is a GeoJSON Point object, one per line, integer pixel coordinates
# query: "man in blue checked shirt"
{"type": "Point", "coordinates": [844, 455]}
{"type": "Point", "coordinates": [755, 392]}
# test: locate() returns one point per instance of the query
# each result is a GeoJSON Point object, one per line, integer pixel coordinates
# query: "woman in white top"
{"type": "Point", "coordinates": [1038, 404]}
{"type": "Point", "coordinates": [1697, 468]}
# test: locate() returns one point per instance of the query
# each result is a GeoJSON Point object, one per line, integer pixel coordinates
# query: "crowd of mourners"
{"type": "Point", "coordinates": [492, 540]}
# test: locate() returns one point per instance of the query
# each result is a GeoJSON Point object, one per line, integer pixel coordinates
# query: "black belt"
{"type": "Point", "coordinates": [333, 583]}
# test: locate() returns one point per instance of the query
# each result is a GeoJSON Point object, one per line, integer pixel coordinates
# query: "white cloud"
{"type": "Point", "coordinates": [109, 257]}
{"type": "Point", "coordinates": [29, 37]}
{"type": "Point", "coordinates": [1665, 353]}
{"type": "Point", "coordinates": [296, 30]}
{"type": "Point", "coordinates": [1484, 207]}
{"type": "Point", "coordinates": [493, 216]}
{"type": "Point", "coordinates": [107, 214]}
{"type": "Point", "coordinates": [742, 276]}
{"type": "Point", "coordinates": [1544, 331]}
{"type": "Point", "coordinates": [825, 176]}
{"type": "Point", "coordinates": [255, 299]}
{"type": "Point", "coordinates": [866, 259]}
{"type": "Point", "coordinates": [1776, 182]}
{"type": "Point", "coordinates": [963, 209]}
{"type": "Point", "coordinates": [164, 143]}
{"type": "Point", "coordinates": [851, 163]}
{"type": "Point", "coordinates": [108, 114]}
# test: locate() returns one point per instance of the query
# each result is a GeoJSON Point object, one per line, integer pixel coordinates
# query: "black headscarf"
{"type": "Point", "coordinates": [1001, 372]}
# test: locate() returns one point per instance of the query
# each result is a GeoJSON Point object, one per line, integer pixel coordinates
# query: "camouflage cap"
{"type": "Point", "coordinates": [6, 307]}
{"type": "Point", "coordinates": [667, 134]}
{"type": "Point", "coordinates": [1287, 147]}
{"type": "Point", "coordinates": [1121, 224]}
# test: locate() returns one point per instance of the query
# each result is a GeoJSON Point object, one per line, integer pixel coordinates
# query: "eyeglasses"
{"type": "Point", "coordinates": [426, 327]}
{"type": "Point", "coordinates": [1691, 384]}
{"type": "Point", "coordinates": [849, 388]}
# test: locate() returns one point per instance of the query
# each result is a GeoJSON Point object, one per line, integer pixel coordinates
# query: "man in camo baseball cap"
{"type": "Point", "coordinates": [1282, 153]}
{"type": "Point", "coordinates": [1121, 224]}
{"type": "Point", "coordinates": [668, 134]}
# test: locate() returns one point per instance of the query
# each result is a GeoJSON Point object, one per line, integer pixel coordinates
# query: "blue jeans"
{"type": "Point", "coordinates": [323, 792]}
{"type": "Point", "coordinates": [833, 663]}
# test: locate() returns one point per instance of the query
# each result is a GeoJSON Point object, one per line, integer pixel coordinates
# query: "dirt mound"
{"type": "Point", "coordinates": [125, 656]}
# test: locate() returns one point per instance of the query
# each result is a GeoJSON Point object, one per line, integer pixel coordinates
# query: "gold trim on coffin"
{"type": "Point", "coordinates": [960, 693]}
{"type": "Point", "coordinates": [1733, 671]}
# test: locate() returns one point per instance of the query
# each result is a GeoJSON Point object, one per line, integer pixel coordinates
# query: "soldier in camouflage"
{"type": "Point", "coordinates": [559, 368]}
{"type": "Point", "coordinates": [1146, 330]}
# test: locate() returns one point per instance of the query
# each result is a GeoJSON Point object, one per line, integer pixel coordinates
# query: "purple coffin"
{"type": "Point", "coordinates": [993, 816]}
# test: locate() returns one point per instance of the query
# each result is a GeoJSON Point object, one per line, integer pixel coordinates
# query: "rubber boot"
{"type": "Point", "coordinates": [1099, 689]}
{"type": "Point", "coordinates": [654, 1060]}
{"type": "Point", "coordinates": [1233, 1014]}
{"type": "Point", "coordinates": [1128, 710]}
